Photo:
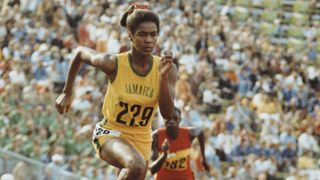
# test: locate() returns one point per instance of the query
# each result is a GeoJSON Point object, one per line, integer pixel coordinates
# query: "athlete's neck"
{"type": "Point", "coordinates": [139, 59]}
{"type": "Point", "coordinates": [173, 134]}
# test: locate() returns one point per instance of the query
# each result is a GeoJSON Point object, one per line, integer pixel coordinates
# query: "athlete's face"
{"type": "Point", "coordinates": [144, 38]}
{"type": "Point", "coordinates": [172, 125]}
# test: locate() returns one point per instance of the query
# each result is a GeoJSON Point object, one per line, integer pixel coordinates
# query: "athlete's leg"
{"type": "Point", "coordinates": [124, 156]}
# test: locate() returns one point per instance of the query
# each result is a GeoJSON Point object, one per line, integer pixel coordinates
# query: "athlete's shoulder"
{"type": "Point", "coordinates": [185, 131]}
{"type": "Point", "coordinates": [161, 130]}
{"type": "Point", "coordinates": [156, 57]}
{"type": "Point", "coordinates": [185, 128]}
{"type": "Point", "coordinates": [122, 55]}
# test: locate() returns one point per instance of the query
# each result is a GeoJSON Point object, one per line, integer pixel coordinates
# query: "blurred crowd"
{"type": "Point", "coordinates": [257, 102]}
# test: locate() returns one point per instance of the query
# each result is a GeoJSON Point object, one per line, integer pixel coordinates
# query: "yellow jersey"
{"type": "Point", "coordinates": [132, 98]}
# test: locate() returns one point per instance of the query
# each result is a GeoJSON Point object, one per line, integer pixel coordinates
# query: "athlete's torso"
{"type": "Point", "coordinates": [131, 99]}
{"type": "Point", "coordinates": [177, 164]}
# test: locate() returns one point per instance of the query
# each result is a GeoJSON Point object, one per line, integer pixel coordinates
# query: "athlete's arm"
{"type": "Point", "coordinates": [157, 161]}
{"type": "Point", "coordinates": [102, 61]}
{"type": "Point", "coordinates": [168, 72]}
{"type": "Point", "coordinates": [83, 55]}
{"type": "Point", "coordinates": [198, 133]}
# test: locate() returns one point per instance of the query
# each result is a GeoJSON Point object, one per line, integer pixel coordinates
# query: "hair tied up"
{"type": "Point", "coordinates": [136, 14]}
{"type": "Point", "coordinates": [138, 6]}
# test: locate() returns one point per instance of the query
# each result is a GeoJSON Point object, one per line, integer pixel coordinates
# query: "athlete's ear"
{"type": "Point", "coordinates": [130, 35]}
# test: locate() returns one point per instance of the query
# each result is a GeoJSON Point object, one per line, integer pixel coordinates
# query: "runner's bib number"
{"type": "Point", "coordinates": [100, 131]}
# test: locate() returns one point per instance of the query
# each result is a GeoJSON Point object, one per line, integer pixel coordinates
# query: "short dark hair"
{"type": "Point", "coordinates": [136, 14]}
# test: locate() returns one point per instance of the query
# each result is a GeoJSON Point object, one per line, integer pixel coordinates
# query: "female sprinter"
{"type": "Point", "coordinates": [138, 83]}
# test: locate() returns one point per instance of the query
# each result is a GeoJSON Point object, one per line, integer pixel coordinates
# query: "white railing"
{"type": "Point", "coordinates": [37, 170]}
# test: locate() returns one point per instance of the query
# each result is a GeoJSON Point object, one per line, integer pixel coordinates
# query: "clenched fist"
{"type": "Point", "coordinates": [63, 103]}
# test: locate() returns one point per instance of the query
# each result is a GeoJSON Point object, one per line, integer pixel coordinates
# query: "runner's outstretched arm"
{"type": "Point", "coordinates": [158, 160]}
{"type": "Point", "coordinates": [198, 133]}
{"type": "Point", "coordinates": [83, 55]}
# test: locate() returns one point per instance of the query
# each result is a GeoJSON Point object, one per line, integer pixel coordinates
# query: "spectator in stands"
{"type": "Point", "coordinates": [22, 171]}
{"type": "Point", "coordinates": [54, 167]}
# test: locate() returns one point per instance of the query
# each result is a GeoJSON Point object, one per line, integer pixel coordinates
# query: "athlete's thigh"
{"type": "Point", "coordinates": [119, 152]}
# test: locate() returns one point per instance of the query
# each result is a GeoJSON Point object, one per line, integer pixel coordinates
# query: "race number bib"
{"type": "Point", "coordinates": [100, 131]}
{"type": "Point", "coordinates": [177, 161]}
{"type": "Point", "coordinates": [134, 114]}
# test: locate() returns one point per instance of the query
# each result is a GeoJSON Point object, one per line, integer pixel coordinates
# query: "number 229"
{"type": "Point", "coordinates": [136, 110]}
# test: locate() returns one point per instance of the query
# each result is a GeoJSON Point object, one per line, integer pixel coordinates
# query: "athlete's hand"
{"type": "Point", "coordinates": [206, 165]}
{"type": "Point", "coordinates": [166, 63]}
{"type": "Point", "coordinates": [165, 146]}
{"type": "Point", "coordinates": [63, 103]}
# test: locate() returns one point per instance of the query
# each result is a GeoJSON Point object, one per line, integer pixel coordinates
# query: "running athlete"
{"type": "Point", "coordinates": [174, 143]}
{"type": "Point", "coordinates": [138, 83]}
